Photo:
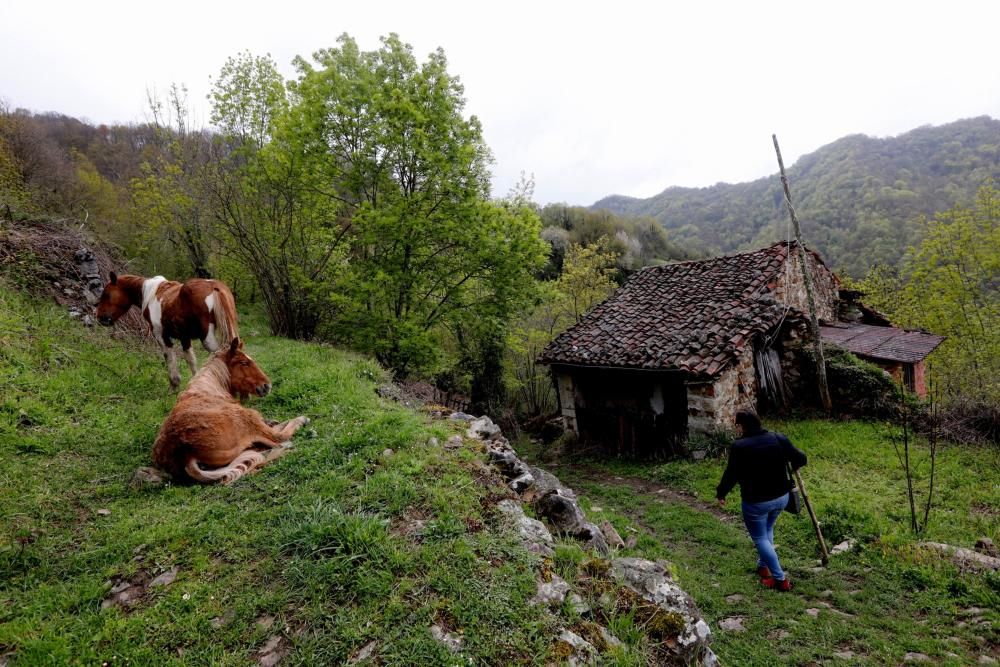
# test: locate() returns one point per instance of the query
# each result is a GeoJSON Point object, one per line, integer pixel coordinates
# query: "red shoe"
{"type": "Point", "coordinates": [770, 582]}
{"type": "Point", "coordinates": [764, 572]}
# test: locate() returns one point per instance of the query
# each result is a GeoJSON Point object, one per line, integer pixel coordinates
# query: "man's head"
{"type": "Point", "coordinates": [747, 422]}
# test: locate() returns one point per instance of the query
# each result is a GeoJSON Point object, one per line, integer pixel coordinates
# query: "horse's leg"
{"type": "Point", "coordinates": [170, 356]}
{"type": "Point", "coordinates": [285, 430]}
{"type": "Point", "coordinates": [274, 436]}
{"type": "Point", "coordinates": [190, 356]}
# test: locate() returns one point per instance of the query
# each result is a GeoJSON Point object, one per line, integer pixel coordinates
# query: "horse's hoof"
{"type": "Point", "coordinates": [305, 420]}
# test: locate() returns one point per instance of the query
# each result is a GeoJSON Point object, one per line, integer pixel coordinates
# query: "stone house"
{"type": "Point", "coordinates": [680, 348]}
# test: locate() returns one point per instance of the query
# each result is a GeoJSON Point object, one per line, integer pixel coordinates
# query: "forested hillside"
{"type": "Point", "coordinates": [860, 199]}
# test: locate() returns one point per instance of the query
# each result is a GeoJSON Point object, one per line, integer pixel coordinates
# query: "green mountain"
{"type": "Point", "coordinates": [860, 199]}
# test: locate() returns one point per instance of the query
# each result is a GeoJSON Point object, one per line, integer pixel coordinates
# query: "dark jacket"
{"type": "Point", "coordinates": [757, 464]}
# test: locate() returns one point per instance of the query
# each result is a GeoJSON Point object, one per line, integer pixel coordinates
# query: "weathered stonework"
{"type": "Point", "coordinates": [790, 287]}
{"type": "Point", "coordinates": [713, 405]}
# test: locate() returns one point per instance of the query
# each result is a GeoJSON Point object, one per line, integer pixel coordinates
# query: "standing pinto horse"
{"type": "Point", "coordinates": [208, 426]}
{"type": "Point", "coordinates": [198, 309]}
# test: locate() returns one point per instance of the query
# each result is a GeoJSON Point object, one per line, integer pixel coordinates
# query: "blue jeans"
{"type": "Point", "coordinates": [759, 518]}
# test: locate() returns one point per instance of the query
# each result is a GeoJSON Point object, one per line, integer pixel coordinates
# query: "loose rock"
{"type": "Point", "coordinates": [272, 652]}
{"type": "Point", "coordinates": [844, 546]}
{"type": "Point", "coordinates": [483, 429]}
{"type": "Point", "coordinates": [148, 478]}
{"type": "Point", "coordinates": [916, 657]}
{"type": "Point", "coordinates": [363, 653]}
{"type": "Point", "coordinates": [732, 624]}
{"type": "Point", "coordinates": [166, 578]}
{"type": "Point", "coordinates": [452, 642]}
{"type": "Point", "coordinates": [579, 605]}
{"type": "Point", "coordinates": [522, 482]}
{"type": "Point", "coordinates": [551, 593]}
{"type": "Point", "coordinates": [581, 651]}
{"type": "Point", "coordinates": [224, 620]}
{"type": "Point", "coordinates": [985, 546]}
{"type": "Point", "coordinates": [611, 535]}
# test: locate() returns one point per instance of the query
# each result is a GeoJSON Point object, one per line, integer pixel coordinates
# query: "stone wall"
{"type": "Point", "coordinates": [790, 288]}
{"type": "Point", "coordinates": [793, 360]}
{"type": "Point", "coordinates": [713, 405]}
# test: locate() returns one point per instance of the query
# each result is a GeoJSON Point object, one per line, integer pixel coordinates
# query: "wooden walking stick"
{"type": "Point", "coordinates": [824, 554]}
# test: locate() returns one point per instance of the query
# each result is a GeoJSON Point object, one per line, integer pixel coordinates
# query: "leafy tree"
{"type": "Point", "coordinates": [247, 98]}
{"type": "Point", "coordinates": [388, 142]}
{"type": "Point", "coordinates": [586, 280]}
{"type": "Point", "coordinates": [170, 200]}
{"type": "Point", "coordinates": [276, 224]}
{"type": "Point", "coordinates": [949, 285]}
{"type": "Point", "coordinates": [14, 195]}
{"type": "Point", "coordinates": [635, 241]}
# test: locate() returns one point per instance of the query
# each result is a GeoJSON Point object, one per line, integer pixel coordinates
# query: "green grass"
{"type": "Point", "coordinates": [315, 548]}
{"type": "Point", "coordinates": [879, 602]}
{"type": "Point", "coordinates": [312, 544]}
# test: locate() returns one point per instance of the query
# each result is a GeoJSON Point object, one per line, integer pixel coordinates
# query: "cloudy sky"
{"type": "Point", "coordinates": [592, 98]}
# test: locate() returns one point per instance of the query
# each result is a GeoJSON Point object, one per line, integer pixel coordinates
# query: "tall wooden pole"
{"type": "Point", "coordinates": [824, 390]}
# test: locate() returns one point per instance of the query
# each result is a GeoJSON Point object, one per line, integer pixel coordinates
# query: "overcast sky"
{"type": "Point", "coordinates": [592, 98]}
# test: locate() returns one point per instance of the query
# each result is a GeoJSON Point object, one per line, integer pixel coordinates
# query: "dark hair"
{"type": "Point", "coordinates": [749, 420]}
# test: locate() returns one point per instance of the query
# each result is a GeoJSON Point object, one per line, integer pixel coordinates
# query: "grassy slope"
{"type": "Point", "coordinates": [899, 600]}
{"type": "Point", "coordinates": [311, 541]}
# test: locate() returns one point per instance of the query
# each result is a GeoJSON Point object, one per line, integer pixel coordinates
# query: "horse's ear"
{"type": "Point", "coordinates": [235, 346]}
{"type": "Point", "coordinates": [114, 278]}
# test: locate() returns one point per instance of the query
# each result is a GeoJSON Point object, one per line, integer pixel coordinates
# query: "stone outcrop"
{"type": "Point", "coordinates": [652, 581]}
{"type": "Point", "coordinates": [676, 623]}
{"type": "Point", "coordinates": [533, 532]}
{"type": "Point", "coordinates": [965, 559]}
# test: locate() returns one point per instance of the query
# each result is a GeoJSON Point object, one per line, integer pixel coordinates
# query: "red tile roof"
{"type": "Point", "coordinates": [876, 342]}
{"type": "Point", "coordinates": [696, 316]}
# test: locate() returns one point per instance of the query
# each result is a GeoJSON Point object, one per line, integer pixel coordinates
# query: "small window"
{"type": "Point", "coordinates": [909, 380]}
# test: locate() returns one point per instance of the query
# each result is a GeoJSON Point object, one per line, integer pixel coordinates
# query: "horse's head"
{"type": "Point", "coordinates": [114, 302]}
{"type": "Point", "coordinates": [245, 376]}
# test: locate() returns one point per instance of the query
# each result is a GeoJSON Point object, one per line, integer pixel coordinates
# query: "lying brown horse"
{"type": "Point", "coordinates": [209, 436]}
{"type": "Point", "coordinates": [197, 310]}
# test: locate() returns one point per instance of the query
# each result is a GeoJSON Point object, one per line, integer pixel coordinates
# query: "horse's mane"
{"type": "Point", "coordinates": [212, 378]}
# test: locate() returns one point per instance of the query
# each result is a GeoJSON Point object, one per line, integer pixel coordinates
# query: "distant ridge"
{"type": "Point", "coordinates": [859, 198]}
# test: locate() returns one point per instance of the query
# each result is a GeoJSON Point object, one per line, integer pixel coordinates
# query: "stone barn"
{"type": "Point", "coordinates": [680, 348]}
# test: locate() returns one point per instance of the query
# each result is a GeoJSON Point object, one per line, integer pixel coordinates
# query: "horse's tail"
{"type": "Point", "coordinates": [226, 324]}
{"type": "Point", "coordinates": [240, 466]}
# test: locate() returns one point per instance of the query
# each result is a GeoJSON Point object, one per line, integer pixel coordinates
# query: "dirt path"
{"type": "Point", "coordinates": [645, 487]}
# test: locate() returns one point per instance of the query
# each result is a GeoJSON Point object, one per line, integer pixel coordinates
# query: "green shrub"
{"type": "Point", "coordinates": [857, 387]}
{"type": "Point", "coordinates": [841, 522]}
